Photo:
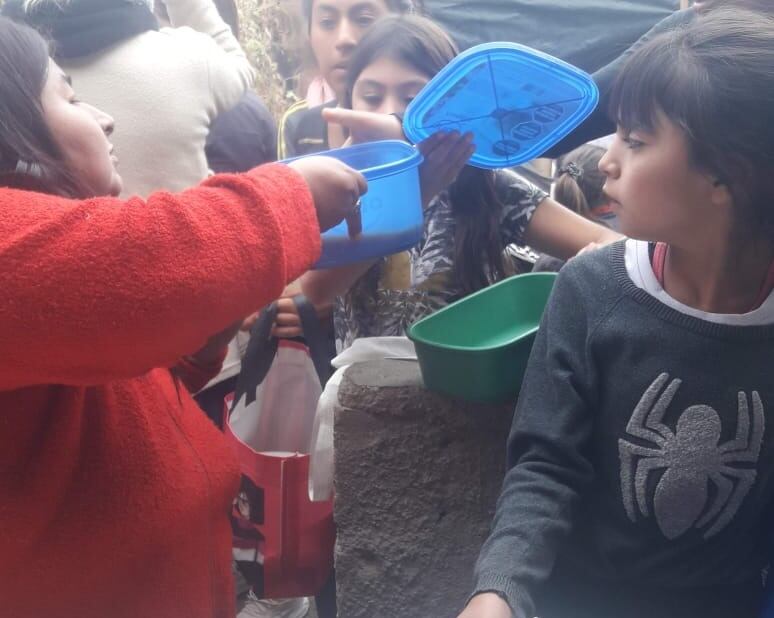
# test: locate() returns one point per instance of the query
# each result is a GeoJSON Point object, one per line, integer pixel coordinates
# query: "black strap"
{"type": "Point", "coordinates": [262, 348]}
{"type": "Point", "coordinates": [316, 340]}
{"type": "Point", "coordinates": [259, 356]}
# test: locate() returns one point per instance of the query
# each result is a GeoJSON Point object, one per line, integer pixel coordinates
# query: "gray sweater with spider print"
{"type": "Point", "coordinates": [640, 464]}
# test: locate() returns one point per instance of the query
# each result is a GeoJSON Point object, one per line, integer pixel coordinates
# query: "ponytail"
{"type": "Point", "coordinates": [570, 194]}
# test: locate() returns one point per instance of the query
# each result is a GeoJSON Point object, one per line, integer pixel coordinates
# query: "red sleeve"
{"type": "Point", "coordinates": [195, 375]}
{"type": "Point", "coordinates": [101, 289]}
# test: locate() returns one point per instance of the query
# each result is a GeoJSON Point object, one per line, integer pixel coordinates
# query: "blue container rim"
{"type": "Point", "coordinates": [456, 69]}
{"type": "Point", "coordinates": [461, 348]}
{"type": "Point", "coordinates": [411, 158]}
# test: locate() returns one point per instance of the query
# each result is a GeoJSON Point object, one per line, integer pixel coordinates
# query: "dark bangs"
{"type": "Point", "coordinates": [663, 76]}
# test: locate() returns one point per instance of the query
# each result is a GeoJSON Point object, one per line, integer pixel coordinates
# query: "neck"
{"type": "Point", "coordinates": [723, 275]}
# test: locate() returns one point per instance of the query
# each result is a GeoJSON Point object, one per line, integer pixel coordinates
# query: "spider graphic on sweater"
{"type": "Point", "coordinates": [691, 457]}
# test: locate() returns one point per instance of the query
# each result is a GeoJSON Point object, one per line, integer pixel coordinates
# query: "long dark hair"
{"type": "Point", "coordinates": [420, 43]}
{"type": "Point", "coordinates": [714, 79]}
{"type": "Point", "coordinates": [29, 157]}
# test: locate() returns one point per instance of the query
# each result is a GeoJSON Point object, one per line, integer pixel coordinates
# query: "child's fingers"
{"type": "Point", "coordinates": [287, 319]}
{"type": "Point", "coordinates": [430, 145]}
{"type": "Point", "coordinates": [454, 157]}
{"type": "Point", "coordinates": [451, 149]}
{"type": "Point", "coordinates": [249, 321]}
{"type": "Point", "coordinates": [286, 305]}
{"type": "Point", "coordinates": [354, 222]}
{"type": "Point", "coordinates": [287, 332]}
{"type": "Point", "coordinates": [460, 157]}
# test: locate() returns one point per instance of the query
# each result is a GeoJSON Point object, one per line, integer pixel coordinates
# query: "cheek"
{"type": "Point", "coordinates": [321, 42]}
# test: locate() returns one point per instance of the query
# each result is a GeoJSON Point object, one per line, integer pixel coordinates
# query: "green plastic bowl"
{"type": "Point", "coordinates": [477, 348]}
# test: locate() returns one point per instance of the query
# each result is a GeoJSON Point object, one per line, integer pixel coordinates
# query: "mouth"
{"type": "Point", "coordinates": [610, 197]}
{"type": "Point", "coordinates": [113, 157]}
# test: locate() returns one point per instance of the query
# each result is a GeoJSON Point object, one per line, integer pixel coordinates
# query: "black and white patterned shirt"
{"type": "Point", "coordinates": [405, 287]}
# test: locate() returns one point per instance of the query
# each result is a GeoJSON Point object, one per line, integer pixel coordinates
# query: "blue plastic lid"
{"type": "Point", "coordinates": [517, 102]}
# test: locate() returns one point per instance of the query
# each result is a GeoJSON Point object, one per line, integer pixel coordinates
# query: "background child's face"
{"type": "Point", "coordinates": [336, 27]}
{"type": "Point", "coordinates": [654, 187]}
{"type": "Point", "coordinates": [387, 87]}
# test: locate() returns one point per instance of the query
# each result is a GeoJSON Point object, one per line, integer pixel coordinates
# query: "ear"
{"type": "Point", "coordinates": [720, 194]}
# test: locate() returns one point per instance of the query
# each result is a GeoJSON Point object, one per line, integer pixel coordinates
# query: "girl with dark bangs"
{"type": "Point", "coordinates": [641, 456]}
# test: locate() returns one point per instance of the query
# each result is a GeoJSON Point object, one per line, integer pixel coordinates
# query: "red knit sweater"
{"type": "Point", "coordinates": [114, 487]}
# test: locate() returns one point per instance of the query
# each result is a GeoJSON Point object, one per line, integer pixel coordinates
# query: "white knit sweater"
{"type": "Point", "coordinates": [164, 88]}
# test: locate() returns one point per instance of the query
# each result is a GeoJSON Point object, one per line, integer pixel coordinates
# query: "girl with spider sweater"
{"type": "Point", "coordinates": [641, 462]}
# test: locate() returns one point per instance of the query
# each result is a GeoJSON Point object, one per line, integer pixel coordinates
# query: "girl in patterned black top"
{"type": "Point", "coordinates": [467, 223]}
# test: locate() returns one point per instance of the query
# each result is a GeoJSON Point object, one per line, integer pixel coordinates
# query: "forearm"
{"type": "Point", "coordinates": [112, 289]}
{"type": "Point", "coordinates": [548, 468]}
{"type": "Point", "coordinates": [322, 287]}
{"type": "Point", "coordinates": [558, 231]}
{"type": "Point", "coordinates": [533, 517]}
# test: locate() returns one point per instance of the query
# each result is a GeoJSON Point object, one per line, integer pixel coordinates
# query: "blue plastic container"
{"type": "Point", "coordinates": [391, 210]}
{"type": "Point", "coordinates": [517, 101]}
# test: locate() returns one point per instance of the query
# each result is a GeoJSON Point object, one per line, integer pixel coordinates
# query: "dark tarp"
{"type": "Point", "coordinates": [586, 33]}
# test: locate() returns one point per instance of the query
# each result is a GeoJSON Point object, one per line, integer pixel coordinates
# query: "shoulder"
{"type": "Point", "coordinates": [301, 117]}
{"type": "Point", "coordinates": [302, 130]}
{"type": "Point", "coordinates": [590, 281]}
{"type": "Point", "coordinates": [293, 112]}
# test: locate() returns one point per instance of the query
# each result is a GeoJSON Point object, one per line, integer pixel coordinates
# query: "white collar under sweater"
{"type": "Point", "coordinates": [640, 270]}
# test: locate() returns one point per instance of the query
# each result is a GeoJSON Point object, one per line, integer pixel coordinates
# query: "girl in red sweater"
{"type": "Point", "coordinates": [114, 487]}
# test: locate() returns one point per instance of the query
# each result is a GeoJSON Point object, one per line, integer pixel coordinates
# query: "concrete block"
{"type": "Point", "coordinates": [417, 477]}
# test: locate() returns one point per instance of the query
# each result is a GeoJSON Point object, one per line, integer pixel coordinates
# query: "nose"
{"type": "Point", "coordinates": [104, 120]}
{"type": "Point", "coordinates": [346, 39]}
{"type": "Point", "coordinates": [608, 165]}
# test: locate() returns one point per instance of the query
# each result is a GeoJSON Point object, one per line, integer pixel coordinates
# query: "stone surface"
{"type": "Point", "coordinates": [417, 478]}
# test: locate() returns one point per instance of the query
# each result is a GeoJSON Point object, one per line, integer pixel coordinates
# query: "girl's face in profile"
{"type": "Point", "coordinates": [336, 27]}
{"type": "Point", "coordinates": [387, 86]}
{"type": "Point", "coordinates": [80, 132]}
{"type": "Point", "coordinates": [654, 187]}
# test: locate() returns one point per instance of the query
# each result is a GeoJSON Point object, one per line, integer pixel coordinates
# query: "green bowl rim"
{"type": "Point", "coordinates": [458, 348]}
